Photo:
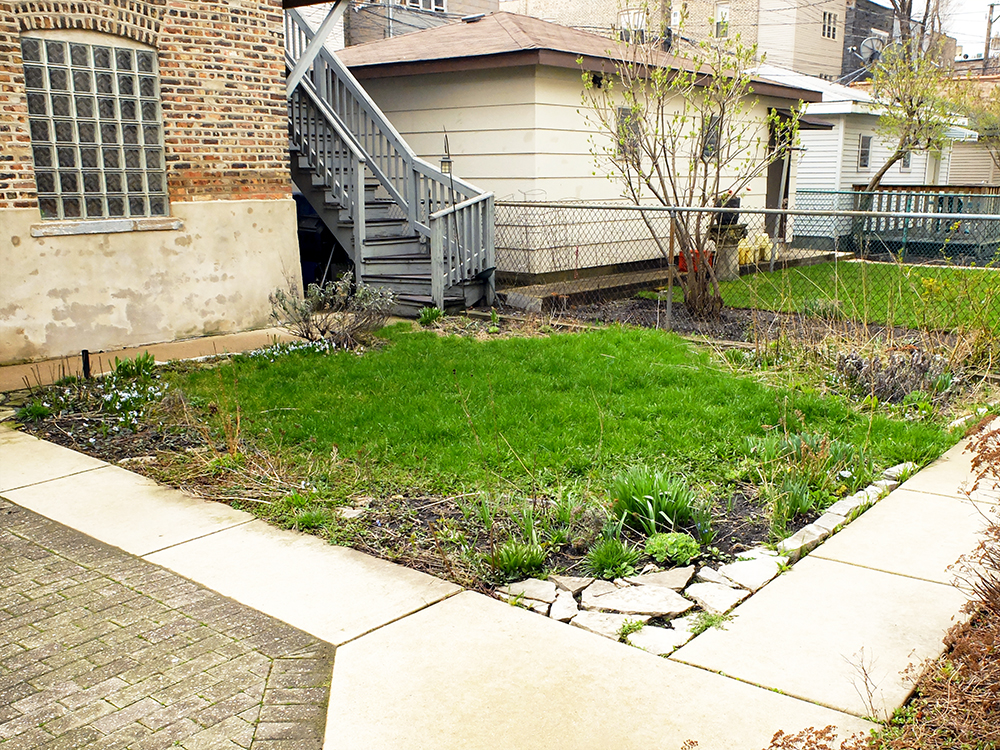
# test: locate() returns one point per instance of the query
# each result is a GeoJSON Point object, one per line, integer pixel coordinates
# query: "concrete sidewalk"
{"type": "Point", "coordinates": [421, 664]}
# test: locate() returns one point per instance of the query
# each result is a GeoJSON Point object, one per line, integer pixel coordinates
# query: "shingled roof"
{"type": "Point", "coordinates": [505, 40]}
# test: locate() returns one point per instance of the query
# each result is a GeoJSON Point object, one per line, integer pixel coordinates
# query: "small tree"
{"type": "Point", "coordinates": [982, 104]}
{"type": "Point", "coordinates": [678, 130]}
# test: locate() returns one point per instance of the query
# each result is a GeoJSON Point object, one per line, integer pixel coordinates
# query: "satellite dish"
{"type": "Point", "coordinates": [871, 49]}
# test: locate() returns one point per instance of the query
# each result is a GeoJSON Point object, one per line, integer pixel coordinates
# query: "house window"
{"type": "Point", "coordinates": [711, 137]}
{"type": "Point", "coordinates": [628, 133]}
{"type": "Point", "coordinates": [829, 25]}
{"type": "Point", "coordinates": [677, 16]}
{"type": "Point", "coordinates": [436, 6]}
{"type": "Point", "coordinates": [632, 26]}
{"type": "Point", "coordinates": [865, 152]}
{"type": "Point", "coordinates": [904, 163]}
{"type": "Point", "coordinates": [96, 130]}
{"type": "Point", "coordinates": [722, 21]}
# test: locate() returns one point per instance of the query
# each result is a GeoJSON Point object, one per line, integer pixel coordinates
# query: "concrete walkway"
{"type": "Point", "coordinates": [421, 664]}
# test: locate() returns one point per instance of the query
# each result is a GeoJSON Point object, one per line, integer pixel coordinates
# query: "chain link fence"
{"type": "Point", "coordinates": [831, 259]}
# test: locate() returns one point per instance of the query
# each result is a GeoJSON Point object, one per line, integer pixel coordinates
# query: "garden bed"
{"type": "Point", "coordinates": [485, 455]}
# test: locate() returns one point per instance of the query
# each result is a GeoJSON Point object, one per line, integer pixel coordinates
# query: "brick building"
{"type": "Point", "coordinates": [144, 184]}
{"type": "Point", "coordinates": [372, 20]}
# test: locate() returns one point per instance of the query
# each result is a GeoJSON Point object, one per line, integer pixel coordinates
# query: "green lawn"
{"type": "Point", "coordinates": [911, 296]}
{"type": "Point", "coordinates": [456, 414]}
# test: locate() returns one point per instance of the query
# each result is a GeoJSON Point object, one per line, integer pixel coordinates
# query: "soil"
{"type": "Point", "coordinates": [743, 325]}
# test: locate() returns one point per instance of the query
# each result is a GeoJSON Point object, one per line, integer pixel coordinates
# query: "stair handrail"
{"type": "Point", "coordinates": [298, 34]}
{"type": "Point", "coordinates": [355, 188]}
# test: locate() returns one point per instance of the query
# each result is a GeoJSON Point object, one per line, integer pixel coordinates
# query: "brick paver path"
{"type": "Point", "coordinates": [99, 649]}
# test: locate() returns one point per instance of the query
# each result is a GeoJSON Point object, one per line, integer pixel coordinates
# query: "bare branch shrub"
{"type": "Point", "coordinates": [332, 312]}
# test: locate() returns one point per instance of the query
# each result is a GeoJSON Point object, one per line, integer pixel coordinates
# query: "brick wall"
{"type": "Point", "coordinates": [221, 82]}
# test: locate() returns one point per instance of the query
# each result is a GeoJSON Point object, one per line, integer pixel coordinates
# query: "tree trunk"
{"type": "Point", "coordinates": [877, 177]}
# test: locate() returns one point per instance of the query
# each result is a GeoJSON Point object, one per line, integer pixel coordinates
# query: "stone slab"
{"type": "Point", "coordinates": [752, 573]}
{"type": "Point", "coordinates": [126, 510]}
{"type": "Point", "coordinates": [716, 598]}
{"type": "Point", "coordinates": [531, 588]}
{"type": "Point", "coordinates": [675, 578]}
{"type": "Point", "coordinates": [910, 533]}
{"type": "Point", "coordinates": [564, 608]}
{"type": "Point", "coordinates": [606, 624]}
{"type": "Point", "coordinates": [334, 593]}
{"type": "Point", "coordinates": [642, 600]}
{"type": "Point", "coordinates": [26, 460]}
{"type": "Point", "coordinates": [805, 633]}
{"type": "Point", "coordinates": [659, 641]}
{"type": "Point", "coordinates": [477, 674]}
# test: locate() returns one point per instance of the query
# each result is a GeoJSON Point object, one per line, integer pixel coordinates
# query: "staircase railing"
{"type": "Point", "coordinates": [462, 243]}
{"type": "Point", "coordinates": [425, 194]}
{"type": "Point", "coordinates": [331, 154]}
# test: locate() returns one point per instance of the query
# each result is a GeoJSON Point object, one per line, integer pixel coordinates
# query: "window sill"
{"type": "Point", "coordinates": [104, 226]}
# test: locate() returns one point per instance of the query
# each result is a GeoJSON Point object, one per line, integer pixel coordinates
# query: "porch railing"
{"type": "Point", "coordinates": [462, 240]}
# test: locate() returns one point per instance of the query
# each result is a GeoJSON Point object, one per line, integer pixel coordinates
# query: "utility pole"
{"type": "Point", "coordinates": [989, 38]}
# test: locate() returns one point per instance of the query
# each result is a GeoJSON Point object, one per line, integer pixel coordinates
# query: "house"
{"type": "Point", "coordinates": [805, 35]}
{"type": "Point", "coordinates": [834, 163]}
{"type": "Point", "coordinates": [371, 20]}
{"type": "Point", "coordinates": [507, 90]}
{"type": "Point", "coordinates": [144, 181]}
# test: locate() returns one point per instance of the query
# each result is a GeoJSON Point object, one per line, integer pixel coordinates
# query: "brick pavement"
{"type": "Point", "coordinates": [102, 650]}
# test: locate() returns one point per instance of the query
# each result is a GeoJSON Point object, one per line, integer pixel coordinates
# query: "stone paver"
{"type": "Point", "coordinates": [475, 673]}
{"type": "Point", "coordinates": [950, 475]}
{"type": "Point", "coordinates": [99, 649]}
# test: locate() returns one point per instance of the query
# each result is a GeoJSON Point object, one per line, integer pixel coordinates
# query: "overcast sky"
{"type": "Point", "coordinates": [967, 23]}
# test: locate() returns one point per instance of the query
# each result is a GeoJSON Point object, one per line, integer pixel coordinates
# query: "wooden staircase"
{"type": "Point", "coordinates": [406, 225]}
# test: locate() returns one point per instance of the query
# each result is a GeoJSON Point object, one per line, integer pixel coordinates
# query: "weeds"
{"type": "Point", "coordinates": [428, 316]}
{"type": "Point", "coordinates": [611, 558]}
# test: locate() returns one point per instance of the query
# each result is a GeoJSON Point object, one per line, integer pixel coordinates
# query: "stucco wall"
{"type": "Point", "coordinates": [105, 291]}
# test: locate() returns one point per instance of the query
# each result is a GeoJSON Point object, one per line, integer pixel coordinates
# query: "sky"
{"type": "Point", "coordinates": [966, 21]}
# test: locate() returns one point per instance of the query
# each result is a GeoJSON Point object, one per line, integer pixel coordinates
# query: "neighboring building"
{"type": "Point", "coordinates": [371, 20]}
{"type": "Point", "coordinates": [508, 91]}
{"type": "Point", "coordinates": [804, 35]}
{"type": "Point", "coordinates": [835, 161]}
{"type": "Point", "coordinates": [144, 182]}
{"type": "Point", "coordinates": [867, 27]}
{"type": "Point", "coordinates": [608, 18]}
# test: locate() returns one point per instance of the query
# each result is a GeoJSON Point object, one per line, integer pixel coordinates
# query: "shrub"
{"type": "Point", "coordinates": [611, 558]}
{"type": "Point", "coordinates": [429, 316]}
{"type": "Point", "coordinates": [650, 501]}
{"type": "Point", "coordinates": [332, 312]}
{"type": "Point", "coordinates": [676, 547]}
{"type": "Point", "coordinates": [900, 373]}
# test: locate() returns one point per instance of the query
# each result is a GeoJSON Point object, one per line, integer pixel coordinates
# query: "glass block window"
{"type": "Point", "coordinates": [96, 130]}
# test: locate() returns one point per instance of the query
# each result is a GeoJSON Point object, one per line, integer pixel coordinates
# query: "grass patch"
{"type": "Point", "coordinates": [449, 414]}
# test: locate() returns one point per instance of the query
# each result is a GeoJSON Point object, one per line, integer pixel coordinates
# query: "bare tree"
{"type": "Point", "coordinates": [911, 87]}
{"type": "Point", "coordinates": [681, 130]}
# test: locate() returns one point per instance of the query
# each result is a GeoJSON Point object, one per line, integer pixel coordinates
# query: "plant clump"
{"type": "Point", "coordinates": [650, 501]}
{"type": "Point", "coordinates": [611, 558]}
{"type": "Point", "coordinates": [898, 375]}
{"type": "Point", "coordinates": [332, 312]}
{"type": "Point", "coordinates": [675, 547]}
